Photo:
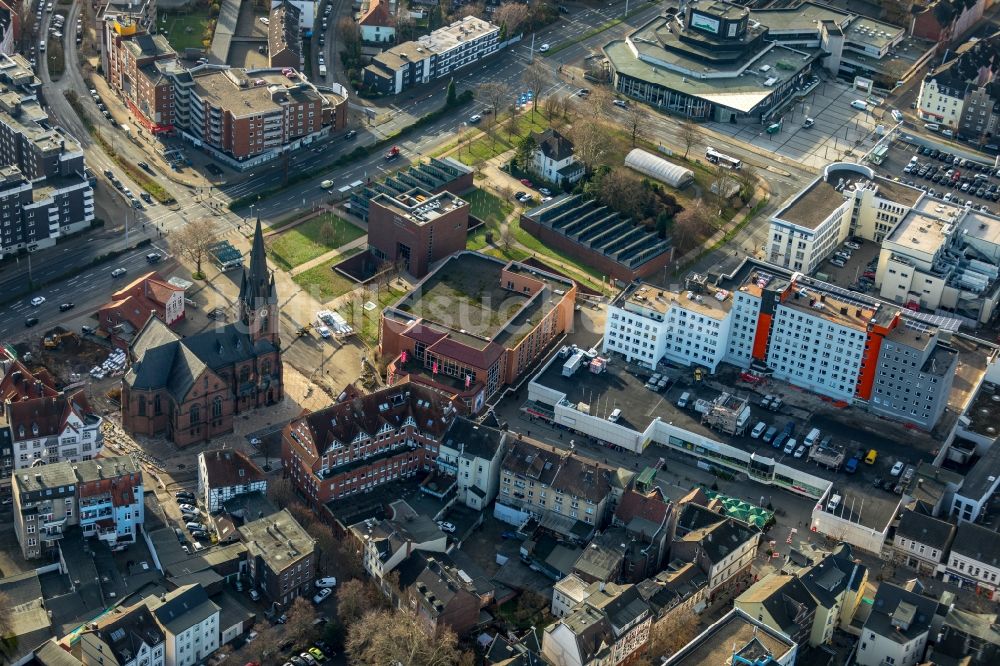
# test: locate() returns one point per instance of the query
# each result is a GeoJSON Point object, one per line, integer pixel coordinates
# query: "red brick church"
{"type": "Point", "coordinates": [190, 389]}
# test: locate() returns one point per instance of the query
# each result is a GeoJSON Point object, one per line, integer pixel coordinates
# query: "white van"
{"type": "Point", "coordinates": [615, 415]}
{"type": "Point", "coordinates": [811, 438]}
{"type": "Point", "coordinates": [790, 446]}
{"type": "Point", "coordinates": [833, 503]}
{"type": "Point", "coordinates": [860, 105]}
{"type": "Point", "coordinates": [758, 430]}
{"type": "Point", "coordinates": [682, 401]}
{"type": "Point", "coordinates": [934, 127]}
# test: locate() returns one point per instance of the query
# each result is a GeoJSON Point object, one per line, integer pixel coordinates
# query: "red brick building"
{"type": "Point", "coordinates": [130, 308]}
{"type": "Point", "coordinates": [190, 389]}
{"type": "Point", "coordinates": [365, 441]}
{"type": "Point", "coordinates": [417, 228]}
{"type": "Point", "coordinates": [284, 40]}
{"type": "Point", "coordinates": [133, 72]}
{"type": "Point", "coordinates": [475, 325]}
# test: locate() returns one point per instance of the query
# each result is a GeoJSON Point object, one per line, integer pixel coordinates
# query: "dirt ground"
{"type": "Point", "coordinates": [70, 361]}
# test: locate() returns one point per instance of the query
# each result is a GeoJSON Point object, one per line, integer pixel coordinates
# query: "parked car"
{"type": "Point", "coordinates": [187, 507]}
{"type": "Point", "coordinates": [446, 526]}
{"type": "Point", "coordinates": [181, 494]}
{"type": "Point", "coordinates": [620, 103]}
{"type": "Point", "coordinates": [758, 430]}
{"type": "Point", "coordinates": [329, 581]}
{"type": "Point", "coordinates": [322, 595]}
{"type": "Point", "coordinates": [769, 434]}
{"type": "Point", "coordinates": [545, 191]}
{"type": "Point", "coordinates": [897, 469]}
{"type": "Point", "coordinates": [526, 182]}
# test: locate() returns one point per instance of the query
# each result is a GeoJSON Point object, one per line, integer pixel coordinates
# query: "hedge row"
{"type": "Point", "coordinates": [359, 152]}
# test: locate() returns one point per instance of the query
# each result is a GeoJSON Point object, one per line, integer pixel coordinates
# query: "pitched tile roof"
{"type": "Point", "coordinates": [134, 303]}
{"type": "Point", "coordinates": [32, 418]}
{"type": "Point", "coordinates": [126, 632]}
{"type": "Point", "coordinates": [562, 470]}
{"type": "Point", "coordinates": [553, 145]}
{"type": "Point", "coordinates": [377, 15]}
{"type": "Point", "coordinates": [653, 506]}
{"type": "Point", "coordinates": [229, 467]}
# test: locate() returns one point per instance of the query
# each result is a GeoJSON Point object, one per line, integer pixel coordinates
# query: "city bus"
{"type": "Point", "coordinates": [715, 157]}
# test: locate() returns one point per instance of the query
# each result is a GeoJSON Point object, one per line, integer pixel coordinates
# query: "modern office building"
{"type": "Point", "coordinates": [415, 229]}
{"type": "Point", "coordinates": [812, 334]}
{"type": "Point", "coordinates": [721, 61]}
{"type": "Point", "coordinates": [433, 56]}
{"type": "Point", "coordinates": [474, 325]}
{"type": "Point", "coordinates": [103, 497]}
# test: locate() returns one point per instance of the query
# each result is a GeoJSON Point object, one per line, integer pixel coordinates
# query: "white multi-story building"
{"type": "Point", "coordinates": [847, 200]}
{"type": "Point", "coordinates": [607, 629]}
{"type": "Point", "coordinates": [897, 628]}
{"type": "Point", "coordinates": [224, 474]}
{"type": "Point", "coordinates": [941, 100]}
{"type": "Point", "coordinates": [472, 454]}
{"type": "Point", "coordinates": [922, 541]}
{"type": "Point", "coordinates": [646, 323]}
{"type": "Point", "coordinates": [190, 623]}
{"type": "Point", "coordinates": [553, 159]}
{"type": "Point", "coordinates": [974, 560]}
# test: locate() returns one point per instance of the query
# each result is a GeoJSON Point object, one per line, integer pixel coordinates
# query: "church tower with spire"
{"type": "Point", "coordinates": [258, 301]}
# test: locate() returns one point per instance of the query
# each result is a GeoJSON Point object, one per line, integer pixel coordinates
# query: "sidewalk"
{"type": "Point", "coordinates": [361, 242]}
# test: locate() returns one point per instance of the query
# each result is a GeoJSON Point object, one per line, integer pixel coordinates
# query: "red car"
{"type": "Point", "coordinates": [526, 182]}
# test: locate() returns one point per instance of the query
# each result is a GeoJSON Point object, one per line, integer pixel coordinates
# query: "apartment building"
{"type": "Point", "coordinates": [141, 13]}
{"type": "Point", "coordinates": [974, 560]}
{"type": "Point", "coordinates": [474, 325]}
{"type": "Point", "coordinates": [472, 454]}
{"type": "Point", "coordinates": [415, 229]}
{"type": "Point", "coordinates": [227, 473]}
{"type": "Point", "coordinates": [922, 542]}
{"type": "Point", "coordinates": [736, 637]}
{"type": "Point", "coordinates": [281, 557]}
{"type": "Point", "coordinates": [560, 488]}
{"type": "Point", "coordinates": [190, 623]}
{"type": "Point", "coordinates": [897, 628]}
{"type": "Point", "coordinates": [377, 23]}
{"type": "Point", "coordinates": [440, 592]}
{"type": "Point", "coordinates": [130, 637]}
{"type": "Point", "coordinates": [103, 497]}
{"type": "Point", "coordinates": [723, 548]}
{"type": "Point", "coordinates": [838, 583]}
{"type": "Point", "coordinates": [945, 90]}
{"type": "Point", "coordinates": [433, 56]}
{"type": "Point", "coordinates": [131, 71]}
{"type": "Point", "coordinates": [783, 603]}
{"type": "Point", "coordinates": [45, 189]}
{"type": "Point", "coordinates": [608, 628]}
{"type": "Point", "coordinates": [41, 423]}
{"type": "Point", "coordinates": [284, 37]}
{"type": "Point", "coordinates": [386, 543]}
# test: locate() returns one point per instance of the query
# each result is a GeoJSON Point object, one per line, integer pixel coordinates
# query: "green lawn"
{"type": "Point", "coordinates": [536, 246]}
{"type": "Point", "coordinates": [324, 283]}
{"type": "Point", "coordinates": [368, 322]}
{"type": "Point", "coordinates": [486, 147]}
{"type": "Point", "coordinates": [311, 239]}
{"type": "Point", "coordinates": [184, 30]}
{"type": "Point", "coordinates": [487, 206]}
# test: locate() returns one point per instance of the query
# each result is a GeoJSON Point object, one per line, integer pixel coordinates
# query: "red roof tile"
{"type": "Point", "coordinates": [377, 15]}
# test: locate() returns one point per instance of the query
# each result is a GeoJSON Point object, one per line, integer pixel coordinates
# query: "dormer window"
{"type": "Point", "coordinates": [20, 430]}
{"type": "Point", "coordinates": [34, 429]}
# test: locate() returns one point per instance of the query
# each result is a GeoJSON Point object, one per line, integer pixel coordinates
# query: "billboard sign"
{"type": "Point", "coordinates": [705, 23]}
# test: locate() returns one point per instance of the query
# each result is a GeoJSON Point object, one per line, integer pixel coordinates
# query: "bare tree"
{"type": "Point", "coordinates": [335, 555]}
{"type": "Point", "coordinates": [635, 121]}
{"type": "Point", "coordinates": [555, 106]}
{"type": "Point", "coordinates": [496, 94]}
{"type": "Point", "coordinates": [535, 77]}
{"type": "Point", "coordinates": [350, 38]}
{"type": "Point", "coordinates": [356, 598]}
{"type": "Point", "coordinates": [385, 637]}
{"type": "Point", "coordinates": [723, 180]}
{"type": "Point", "coordinates": [590, 143]}
{"type": "Point", "coordinates": [691, 225]}
{"type": "Point", "coordinates": [747, 178]}
{"type": "Point", "coordinates": [512, 15]}
{"type": "Point", "coordinates": [405, 26]}
{"type": "Point", "coordinates": [301, 616]}
{"type": "Point", "coordinates": [599, 101]}
{"type": "Point", "coordinates": [469, 9]}
{"type": "Point", "coordinates": [688, 135]}
{"type": "Point", "coordinates": [621, 190]}
{"type": "Point", "coordinates": [260, 648]}
{"type": "Point", "coordinates": [193, 240]}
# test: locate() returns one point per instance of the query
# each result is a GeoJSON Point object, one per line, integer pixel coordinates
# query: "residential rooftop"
{"type": "Point", "coordinates": [278, 539]}
{"type": "Point", "coordinates": [984, 413]}
{"type": "Point", "coordinates": [68, 474]}
{"type": "Point", "coordinates": [246, 93]}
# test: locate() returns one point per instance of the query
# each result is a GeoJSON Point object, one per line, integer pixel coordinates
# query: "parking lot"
{"type": "Point", "coordinates": [944, 175]}
{"type": "Point", "coordinates": [838, 130]}
{"type": "Point", "coordinates": [857, 273]}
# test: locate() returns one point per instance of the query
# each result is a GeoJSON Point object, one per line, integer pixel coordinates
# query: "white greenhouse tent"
{"type": "Point", "coordinates": [656, 167]}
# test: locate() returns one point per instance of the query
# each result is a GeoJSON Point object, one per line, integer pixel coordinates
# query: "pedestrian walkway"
{"type": "Point", "coordinates": [361, 243]}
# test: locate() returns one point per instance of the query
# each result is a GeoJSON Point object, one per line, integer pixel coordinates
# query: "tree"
{"type": "Point", "coordinates": [494, 94]}
{"type": "Point", "coordinates": [691, 225]}
{"type": "Point", "coordinates": [671, 633]}
{"type": "Point", "coordinates": [622, 191]}
{"type": "Point", "coordinates": [452, 96]}
{"type": "Point", "coordinates": [525, 152]}
{"type": "Point", "coordinates": [387, 637]}
{"type": "Point", "coordinates": [469, 9]}
{"type": "Point", "coordinates": [688, 135]}
{"type": "Point", "coordinates": [301, 616]}
{"type": "Point", "coordinates": [512, 15]}
{"type": "Point", "coordinates": [258, 649]}
{"type": "Point", "coordinates": [555, 106]}
{"type": "Point", "coordinates": [635, 120]}
{"type": "Point", "coordinates": [406, 27]}
{"type": "Point", "coordinates": [350, 40]}
{"type": "Point", "coordinates": [535, 77]}
{"type": "Point", "coordinates": [357, 597]}
{"type": "Point", "coordinates": [281, 492]}
{"type": "Point", "coordinates": [723, 180]}
{"type": "Point", "coordinates": [335, 555]}
{"type": "Point", "coordinates": [599, 101]}
{"type": "Point", "coordinates": [747, 178]}
{"type": "Point", "coordinates": [590, 143]}
{"type": "Point", "coordinates": [193, 240]}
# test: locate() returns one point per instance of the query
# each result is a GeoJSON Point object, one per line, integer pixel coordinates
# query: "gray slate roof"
{"type": "Point", "coordinates": [979, 543]}
{"type": "Point", "coordinates": [925, 529]}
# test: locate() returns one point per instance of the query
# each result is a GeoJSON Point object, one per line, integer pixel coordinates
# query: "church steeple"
{"type": "Point", "coordinates": [258, 298]}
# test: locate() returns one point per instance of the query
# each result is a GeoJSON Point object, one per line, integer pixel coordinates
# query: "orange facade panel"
{"type": "Point", "coordinates": [866, 378]}
{"type": "Point", "coordinates": [761, 335]}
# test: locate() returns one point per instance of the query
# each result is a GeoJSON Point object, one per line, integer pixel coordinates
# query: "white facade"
{"type": "Point", "coordinates": [648, 324]}
{"type": "Point", "coordinates": [548, 168]}
{"type": "Point", "coordinates": [803, 248]}
{"type": "Point", "coordinates": [174, 308]}
{"type": "Point", "coordinates": [234, 475]}
{"type": "Point", "coordinates": [877, 650]}
{"type": "Point", "coordinates": [477, 477]}
{"type": "Point", "coordinates": [940, 104]}
{"type": "Point", "coordinates": [78, 440]}
{"type": "Point", "coordinates": [567, 594]}
{"type": "Point", "coordinates": [815, 353]}
{"type": "Point", "coordinates": [377, 33]}
{"type": "Point", "coordinates": [742, 328]}
{"type": "Point", "coordinates": [561, 647]}
{"type": "Point", "coordinates": [926, 556]}
{"type": "Point", "coordinates": [194, 644]}
{"type": "Point", "coordinates": [733, 563]}
{"type": "Point", "coordinates": [967, 571]}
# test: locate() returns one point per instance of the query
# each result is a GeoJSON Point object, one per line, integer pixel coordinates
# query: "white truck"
{"type": "Point", "coordinates": [571, 365]}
